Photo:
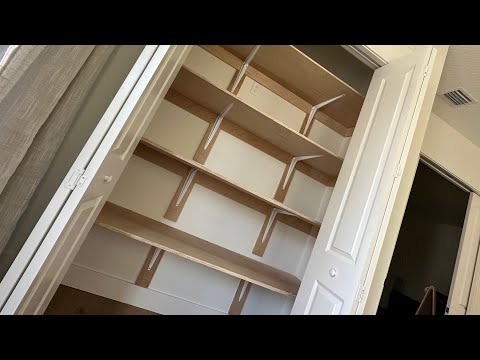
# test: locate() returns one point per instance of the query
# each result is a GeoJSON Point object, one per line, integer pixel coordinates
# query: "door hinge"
{"type": "Point", "coordinates": [397, 171]}
{"type": "Point", "coordinates": [426, 71]}
{"type": "Point", "coordinates": [360, 295]}
{"type": "Point", "coordinates": [76, 179]}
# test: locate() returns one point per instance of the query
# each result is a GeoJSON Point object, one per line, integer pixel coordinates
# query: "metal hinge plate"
{"type": "Point", "coordinates": [397, 170]}
{"type": "Point", "coordinates": [76, 179]}
{"type": "Point", "coordinates": [426, 71]}
{"type": "Point", "coordinates": [360, 295]}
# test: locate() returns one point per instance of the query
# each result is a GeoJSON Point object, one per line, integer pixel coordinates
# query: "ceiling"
{"type": "Point", "coordinates": [462, 69]}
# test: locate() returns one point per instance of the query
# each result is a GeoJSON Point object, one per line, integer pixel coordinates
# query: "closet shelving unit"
{"type": "Point", "coordinates": [293, 76]}
{"type": "Point", "coordinates": [180, 243]}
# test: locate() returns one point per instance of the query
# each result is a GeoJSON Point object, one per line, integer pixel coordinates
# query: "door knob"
{"type": "Point", "coordinates": [107, 179]}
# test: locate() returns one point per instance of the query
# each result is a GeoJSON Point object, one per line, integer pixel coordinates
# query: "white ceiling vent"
{"type": "Point", "coordinates": [458, 97]}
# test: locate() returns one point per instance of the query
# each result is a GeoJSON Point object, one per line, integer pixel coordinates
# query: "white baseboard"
{"type": "Point", "coordinates": [107, 286]}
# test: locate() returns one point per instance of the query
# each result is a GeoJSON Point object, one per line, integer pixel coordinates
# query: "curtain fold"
{"type": "Point", "coordinates": [42, 88]}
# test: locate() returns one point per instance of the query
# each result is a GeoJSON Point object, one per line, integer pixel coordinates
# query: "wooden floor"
{"type": "Point", "coordinates": [70, 301]}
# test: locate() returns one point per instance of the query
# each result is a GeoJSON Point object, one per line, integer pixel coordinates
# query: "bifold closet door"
{"type": "Point", "coordinates": [363, 197]}
{"type": "Point", "coordinates": [463, 297]}
{"type": "Point", "coordinates": [92, 186]}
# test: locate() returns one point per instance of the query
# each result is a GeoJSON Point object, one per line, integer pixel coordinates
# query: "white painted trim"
{"type": "Point", "coordinates": [366, 55]}
{"type": "Point", "coordinates": [88, 280]}
{"type": "Point", "coordinates": [57, 202]}
{"type": "Point", "coordinates": [445, 173]}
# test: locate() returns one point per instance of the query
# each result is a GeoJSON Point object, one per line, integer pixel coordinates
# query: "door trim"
{"type": "Point", "coordinates": [446, 174]}
{"type": "Point", "coordinates": [366, 55]}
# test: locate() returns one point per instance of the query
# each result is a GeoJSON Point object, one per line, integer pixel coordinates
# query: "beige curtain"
{"type": "Point", "coordinates": [41, 91]}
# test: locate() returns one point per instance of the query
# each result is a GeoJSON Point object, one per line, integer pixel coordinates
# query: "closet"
{"type": "Point", "coordinates": [219, 207]}
{"type": "Point", "coordinates": [231, 180]}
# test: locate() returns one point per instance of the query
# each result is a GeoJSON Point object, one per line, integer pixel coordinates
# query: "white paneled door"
{"type": "Point", "coordinates": [34, 278]}
{"type": "Point", "coordinates": [336, 281]}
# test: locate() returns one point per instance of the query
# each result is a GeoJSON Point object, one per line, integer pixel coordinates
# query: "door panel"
{"type": "Point", "coordinates": [45, 222]}
{"type": "Point", "coordinates": [361, 203]}
{"type": "Point", "coordinates": [44, 273]}
{"type": "Point", "coordinates": [50, 277]}
{"type": "Point", "coordinates": [458, 298]}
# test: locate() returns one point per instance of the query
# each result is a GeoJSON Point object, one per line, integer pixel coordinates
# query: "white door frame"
{"type": "Point", "coordinates": [446, 174]}
{"type": "Point", "coordinates": [375, 56]}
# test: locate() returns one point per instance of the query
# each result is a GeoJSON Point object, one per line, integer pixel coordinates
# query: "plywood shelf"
{"type": "Point", "coordinates": [295, 71]}
{"type": "Point", "coordinates": [175, 241]}
{"type": "Point", "coordinates": [215, 99]}
{"type": "Point", "coordinates": [203, 169]}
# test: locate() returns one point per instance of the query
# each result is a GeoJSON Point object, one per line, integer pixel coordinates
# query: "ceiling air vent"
{"type": "Point", "coordinates": [458, 97]}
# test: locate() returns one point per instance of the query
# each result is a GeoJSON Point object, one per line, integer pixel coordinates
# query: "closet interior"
{"type": "Point", "coordinates": [219, 207]}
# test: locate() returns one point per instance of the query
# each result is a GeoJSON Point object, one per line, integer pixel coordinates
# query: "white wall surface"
{"type": "Point", "coordinates": [452, 151]}
{"type": "Point", "coordinates": [391, 52]}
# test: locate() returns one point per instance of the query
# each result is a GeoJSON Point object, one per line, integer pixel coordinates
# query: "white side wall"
{"type": "Point", "coordinates": [452, 151]}
{"type": "Point", "coordinates": [391, 52]}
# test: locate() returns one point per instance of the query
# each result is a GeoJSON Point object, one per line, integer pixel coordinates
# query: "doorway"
{"type": "Point", "coordinates": [427, 246]}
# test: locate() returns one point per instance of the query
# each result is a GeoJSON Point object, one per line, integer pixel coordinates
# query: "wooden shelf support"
{"type": "Point", "coordinates": [205, 177]}
{"type": "Point", "coordinates": [149, 267]}
{"type": "Point", "coordinates": [216, 124]}
{"type": "Point", "coordinates": [181, 195]}
{"type": "Point", "coordinates": [190, 247]}
{"type": "Point", "coordinates": [314, 110]}
{"type": "Point", "coordinates": [213, 100]}
{"type": "Point", "coordinates": [240, 298]}
{"type": "Point", "coordinates": [186, 185]}
{"type": "Point", "coordinates": [244, 67]}
{"type": "Point", "coordinates": [154, 259]}
{"type": "Point", "coordinates": [266, 231]}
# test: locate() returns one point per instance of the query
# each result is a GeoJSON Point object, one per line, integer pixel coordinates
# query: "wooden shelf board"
{"type": "Point", "coordinates": [203, 169]}
{"type": "Point", "coordinates": [144, 229]}
{"type": "Point", "coordinates": [294, 70]}
{"type": "Point", "coordinates": [208, 95]}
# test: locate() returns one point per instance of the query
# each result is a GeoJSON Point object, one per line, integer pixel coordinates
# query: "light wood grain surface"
{"type": "Point", "coordinates": [203, 169]}
{"type": "Point", "coordinates": [295, 71]}
{"type": "Point", "coordinates": [141, 228]}
{"type": "Point", "coordinates": [201, 91]}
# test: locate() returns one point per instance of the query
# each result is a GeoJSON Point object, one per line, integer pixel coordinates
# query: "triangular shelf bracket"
{"type": "Point", "coordinates": [244, 67]}
{"type": "Point", "coordinates": [216, 124]}
{"type": "Point", "coordinates": [292, 166]}
{"type": "Point", "coordinates": [314, 110]}
{"type": "Point", "coordinates": [185, 186]}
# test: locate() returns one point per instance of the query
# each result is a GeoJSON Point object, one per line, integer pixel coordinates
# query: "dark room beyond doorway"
{"type": "Point", "coordinates": [427, 244]}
